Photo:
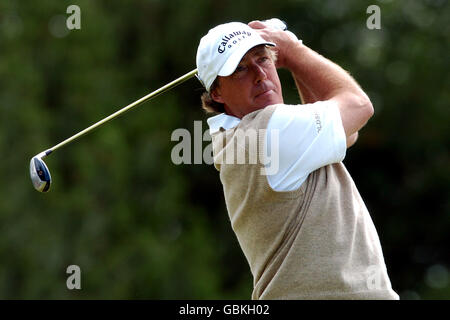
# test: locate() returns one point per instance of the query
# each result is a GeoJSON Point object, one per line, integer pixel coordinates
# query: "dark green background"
{"type": "Point", "coordinates": [140, 226]}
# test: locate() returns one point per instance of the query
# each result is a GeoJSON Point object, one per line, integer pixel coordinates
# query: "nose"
{"type": "Point", "coordinates": [259, 73]}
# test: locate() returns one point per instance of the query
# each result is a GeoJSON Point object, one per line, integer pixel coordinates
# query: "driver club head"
{"type": "Point", "coordinates": [39, 173]}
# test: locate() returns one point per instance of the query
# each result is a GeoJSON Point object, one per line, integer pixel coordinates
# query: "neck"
{"type": "Point", "coordinates": [231, 112]}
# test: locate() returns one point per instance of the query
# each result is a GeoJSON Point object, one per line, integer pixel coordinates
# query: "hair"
{"type": "Point", "coordinates": [209, 105]}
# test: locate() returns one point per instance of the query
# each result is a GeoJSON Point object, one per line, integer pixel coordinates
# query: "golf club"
{"type": "Point", "coordinates": [39, 173]}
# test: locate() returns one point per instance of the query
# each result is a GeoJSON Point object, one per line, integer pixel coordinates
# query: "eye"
{"type": "Point", "coordinates": [263, 59]}
{"type": "Point", "coordinates": [240, 71]}
{"type": "Point", "coordinates": [240, 68]}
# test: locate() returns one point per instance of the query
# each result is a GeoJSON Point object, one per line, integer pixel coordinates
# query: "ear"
{"type": "Point", "coordinates": [216, 95]}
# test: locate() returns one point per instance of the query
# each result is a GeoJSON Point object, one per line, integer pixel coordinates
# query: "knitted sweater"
{"type": "Point", "coordinates": [316, 242]}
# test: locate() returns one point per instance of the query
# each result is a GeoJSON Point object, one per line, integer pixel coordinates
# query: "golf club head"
{"type": "Point", "coordinates": [39, 173]}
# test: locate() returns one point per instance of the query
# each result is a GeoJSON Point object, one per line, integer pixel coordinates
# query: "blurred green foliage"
{"type": "Point", "coordinates": [141, 227]}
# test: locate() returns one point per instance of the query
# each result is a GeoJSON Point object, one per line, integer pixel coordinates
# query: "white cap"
{"type": "Point", "coordinates": [221, 50]}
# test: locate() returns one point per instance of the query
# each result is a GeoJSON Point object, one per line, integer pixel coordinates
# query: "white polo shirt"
{"type": "Point", "coordinates": [310, 136]}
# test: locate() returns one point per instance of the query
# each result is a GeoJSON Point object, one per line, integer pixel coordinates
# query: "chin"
{"type": "Point", "coordinates": [267, 102]}
{"type": "Point", "coordinates": [266, 99]}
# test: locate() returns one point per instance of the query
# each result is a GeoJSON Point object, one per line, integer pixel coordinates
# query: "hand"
{"type": "Point", "coordinates": [284, 40]}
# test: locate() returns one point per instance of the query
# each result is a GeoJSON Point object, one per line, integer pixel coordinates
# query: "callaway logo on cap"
{"type": "Point", "coordinates": [221, 50]}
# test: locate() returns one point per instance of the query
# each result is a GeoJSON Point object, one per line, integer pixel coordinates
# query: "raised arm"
{"type": "Point", "coordinates": [319, 79]}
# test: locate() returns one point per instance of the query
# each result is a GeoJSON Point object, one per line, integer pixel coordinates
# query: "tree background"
{"type": "Point", "coordinates": [141, 227]}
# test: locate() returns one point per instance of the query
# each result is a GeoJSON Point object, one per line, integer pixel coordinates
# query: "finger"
{"type": "Point", "coordinates": [256, 24]}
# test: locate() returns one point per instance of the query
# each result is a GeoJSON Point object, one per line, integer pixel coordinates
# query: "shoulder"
{"type": "Point", "coordinates": [317, 114]}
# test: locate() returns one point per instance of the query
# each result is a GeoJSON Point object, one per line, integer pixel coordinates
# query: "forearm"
{"type": "Point", "coordinates": [352, 139]}
{"type": "Point", "coordinates": [306, 96]}
{"type": "Point", "coordinates": [317, 76]}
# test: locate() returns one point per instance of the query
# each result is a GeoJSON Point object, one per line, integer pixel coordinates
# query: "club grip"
{"type": "Point", "coordinates": [281, 25]}
{"type": "Point", "coordinates": [276, 23]}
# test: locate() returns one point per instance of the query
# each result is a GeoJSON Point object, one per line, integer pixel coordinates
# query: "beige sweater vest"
{"type": "Point", "coordinates": [316, 242]}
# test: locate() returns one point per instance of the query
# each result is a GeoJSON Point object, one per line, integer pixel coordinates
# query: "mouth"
{"type": "Point", "coordinates": [264, 93]}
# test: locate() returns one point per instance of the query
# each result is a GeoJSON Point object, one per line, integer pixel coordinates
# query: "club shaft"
{"type": "Point", "coordinates": [125, 109]}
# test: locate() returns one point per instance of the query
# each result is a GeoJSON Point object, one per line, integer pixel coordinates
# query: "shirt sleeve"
{"type": "Point", "coordinates": [309, 137]}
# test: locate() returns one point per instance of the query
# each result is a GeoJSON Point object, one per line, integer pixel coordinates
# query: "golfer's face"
{"type": "Point", "coordinates": [254, 84]}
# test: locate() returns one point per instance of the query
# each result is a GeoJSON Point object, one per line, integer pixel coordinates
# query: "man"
{"type": "Point", "coordinates": [304, 229]}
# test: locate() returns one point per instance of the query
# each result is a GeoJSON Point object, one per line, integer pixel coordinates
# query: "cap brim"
{"type": "Point", "coordinates": [233, 61]}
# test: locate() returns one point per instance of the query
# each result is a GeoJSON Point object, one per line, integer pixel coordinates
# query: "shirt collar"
{"type": "Point", "coordinates": [222, 121]}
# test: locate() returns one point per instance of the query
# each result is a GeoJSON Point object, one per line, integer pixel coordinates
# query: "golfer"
{"type": "Point", "coordinates": [304, 228]}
